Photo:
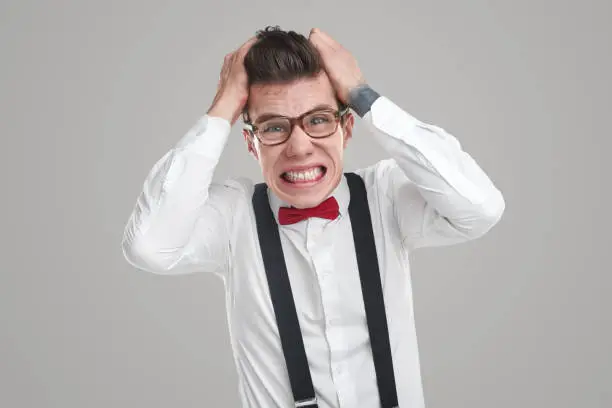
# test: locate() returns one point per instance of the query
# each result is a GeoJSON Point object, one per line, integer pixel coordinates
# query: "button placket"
{"type": "Point", "coordinates": [320, 244]}
{"type": "Point", "coordinates": [320, 263]}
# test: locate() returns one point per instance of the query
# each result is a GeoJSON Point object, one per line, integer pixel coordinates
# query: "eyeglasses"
{"type": "Point", "coordinates": [317, 124]}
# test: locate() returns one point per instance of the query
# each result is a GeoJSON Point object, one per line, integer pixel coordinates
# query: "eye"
{"type": "Point", "coordinates": [319, 119]}
{"type": "Point", "coordinates": [274, 127]}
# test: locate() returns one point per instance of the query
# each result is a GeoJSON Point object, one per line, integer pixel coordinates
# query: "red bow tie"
{"type": "Point", "coordinates": [327, 209]}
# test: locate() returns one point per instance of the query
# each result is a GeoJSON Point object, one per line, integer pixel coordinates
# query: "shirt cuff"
{"type": "Point", "coordinates": [207, 137]}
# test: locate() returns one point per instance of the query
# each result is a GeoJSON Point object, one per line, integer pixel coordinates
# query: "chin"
{"type": "Point", "coordinates": [303, 192]}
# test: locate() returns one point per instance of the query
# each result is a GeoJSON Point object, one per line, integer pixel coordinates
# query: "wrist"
{"type": "Point", "coordinates": [223, 113]}
{"type": "Point", "coordinates": [228, 108]}
{"type": "Point", "coordinates": [361, 98]}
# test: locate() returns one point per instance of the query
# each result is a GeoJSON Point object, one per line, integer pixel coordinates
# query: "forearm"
{"type": "Point", "coordinates": [173, 196]}
{"type": "Point", "coordinates": [448, 179]}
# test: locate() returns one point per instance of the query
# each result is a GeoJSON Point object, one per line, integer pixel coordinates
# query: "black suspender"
{"type": "Point", "coordinates": [282, 300]}
{"type": "Point", "coordinates": [284, 306]}
{"type": "Point", "coordinates": [371, 287]}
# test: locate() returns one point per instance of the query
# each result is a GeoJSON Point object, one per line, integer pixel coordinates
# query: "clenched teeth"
{"type": "Point", "coordinates": [308, 175]}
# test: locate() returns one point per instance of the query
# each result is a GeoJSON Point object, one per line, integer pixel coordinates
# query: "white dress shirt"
{"type": "Point", "coordinates": [429, 192]}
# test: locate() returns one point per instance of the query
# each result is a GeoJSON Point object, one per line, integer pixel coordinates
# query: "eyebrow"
{"type": "Point", "coordinates": [269, 115]}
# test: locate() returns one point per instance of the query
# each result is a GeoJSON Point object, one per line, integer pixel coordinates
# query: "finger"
{"type": "Point", "coordinates": [316, 40]}
{"type": "Point", "coordinates": [244, 48]}
{"type": "Point", "coordinates": [225, 71]}
{"type": "Point", "coordinates": [323, 42]}
{"type": "Point", "coordinates": [227, 61]}
{"type": "Point", "coordinates": [320, 34]}
{"type": "Point", "coordinates": [328, 40]}
{"type": "Point", "coordinates": [313, 33]}
{"type": "Point", "coordinates": [315, 36]}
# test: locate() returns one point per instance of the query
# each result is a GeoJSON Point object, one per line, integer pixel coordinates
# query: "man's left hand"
{"type": "Point", "coordinates": [339, 63]}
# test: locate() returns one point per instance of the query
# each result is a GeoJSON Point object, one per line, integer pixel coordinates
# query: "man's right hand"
{"type": "Point", "coordinates": [233, 88]}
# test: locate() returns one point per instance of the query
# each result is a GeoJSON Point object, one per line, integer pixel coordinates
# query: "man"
{"type": "Point", "coordinates": [315, 262]}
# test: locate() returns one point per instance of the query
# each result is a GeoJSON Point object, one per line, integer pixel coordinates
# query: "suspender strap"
{"type": "Point", "coordinates": [371, 287]}
{"type": "Point", "coordinates": [284, 306]}
{"type": "Point", "coordinates": [282, 300]}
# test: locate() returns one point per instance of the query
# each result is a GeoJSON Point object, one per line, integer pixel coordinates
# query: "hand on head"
{"type": "Point", "coordinates": [233, 88]}
{"type": "Point", "coordinates": [339, 63]}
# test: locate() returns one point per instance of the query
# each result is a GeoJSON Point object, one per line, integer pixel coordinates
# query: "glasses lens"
{"type": "Point", "coordinates": [274, 130]}
{"type": "Point", "coordinates": [320, 123]}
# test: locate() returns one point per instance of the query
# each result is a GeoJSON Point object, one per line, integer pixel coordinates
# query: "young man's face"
{"type": "Point", "coordinates": [302, 171]}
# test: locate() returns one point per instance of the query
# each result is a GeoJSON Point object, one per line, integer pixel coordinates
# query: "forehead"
{"type": "Point", "coordinates": [291, 99]}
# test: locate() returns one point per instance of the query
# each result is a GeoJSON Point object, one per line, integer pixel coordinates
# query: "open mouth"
{"type": "Point", "coordinates": [311, 175]}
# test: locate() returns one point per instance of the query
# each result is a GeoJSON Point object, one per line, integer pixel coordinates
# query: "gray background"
{"type": "Point", "coordinates": [93, 93]}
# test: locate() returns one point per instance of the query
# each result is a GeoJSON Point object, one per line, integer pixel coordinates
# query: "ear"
{"type": "Point", "coordinates": [347, 127]}
{"type": "Point", "coordinates": [248, 138]}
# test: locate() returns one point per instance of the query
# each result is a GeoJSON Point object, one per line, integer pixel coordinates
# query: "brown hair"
{"type": "Point", "coordinates": [281, 56]}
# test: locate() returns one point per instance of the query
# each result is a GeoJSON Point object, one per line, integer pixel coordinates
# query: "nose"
{"type": "Point", "coordinates": [299, 143]}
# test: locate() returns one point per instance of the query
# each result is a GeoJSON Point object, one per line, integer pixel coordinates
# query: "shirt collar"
{"type": "Point", "coordinates": [341, 193]}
